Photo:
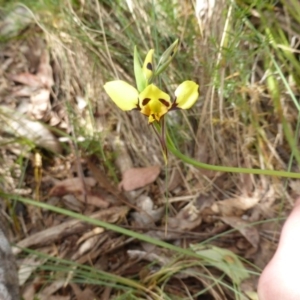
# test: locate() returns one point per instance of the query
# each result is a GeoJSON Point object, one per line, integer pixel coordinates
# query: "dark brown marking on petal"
{"type": "Point", "coordinates": [146, 101]}
{"type": "Point", "coordinates": [174, 106]}
{"type": "Point", "coordinates": [164, 102]}
{"type": "Point", "coordinates": [172, 53]}
{"type": "Point", "coordinates": [149, 66]}
{"type": "Point", "coordinates": [137, 105]}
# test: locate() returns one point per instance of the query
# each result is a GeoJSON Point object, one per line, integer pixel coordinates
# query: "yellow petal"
{"type": "Point", "coordinates": [154, 103]}
{"type": "Point", "coordinates": [186, 94]}
{"type": "Point", "coordinates": [148, 64]}
{"type": "Point", "coordinates": [123, 94]}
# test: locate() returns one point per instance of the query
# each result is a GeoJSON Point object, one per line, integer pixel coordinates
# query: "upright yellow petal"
{"type": "Point", "coordinates": [154, 103]}
{"type": "Point", "coordinates": [148, 64]}
{"type": "Point", "coordinates": [186, 94]}
{"type": "Point", "coordinates": [123, 94]}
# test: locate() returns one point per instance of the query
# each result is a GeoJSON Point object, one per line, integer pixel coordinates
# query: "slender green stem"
{"type": "Point", "coordinates": [171, 147]}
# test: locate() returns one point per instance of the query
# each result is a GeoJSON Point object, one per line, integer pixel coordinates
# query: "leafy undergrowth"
{"type": "Point", "coordinates": [93, 211]}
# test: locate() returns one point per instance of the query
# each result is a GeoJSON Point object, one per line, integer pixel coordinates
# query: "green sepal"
{"type": "Point", "coordinates": [166, 58]}
{"type": "Point", "coordinates": [141, 81]}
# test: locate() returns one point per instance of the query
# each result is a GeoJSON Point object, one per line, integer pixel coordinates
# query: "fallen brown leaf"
{"type": "Point", "coordinates": [83, 193]}
{"type": "Point", "coordinates": [136, 178]}
{"type": "Point", "coordinates": [71, 185]}
{"type": "Point", "coordinates": [88, 245]}
{"type": "Point", "coordinates": [249, 232]}
{"type": "Point", "coordinates": [44, 72]}
{"type": "Point", "coordinates": [93, 198]}
{"type": "Point", "coordinates": [235, 206]}
{"type": "Point", "coordinates": [42, 81]}
{"type": "Point", "coordinates": [27, 78]}
{"type": "Point", "coordinates": [72, 203]}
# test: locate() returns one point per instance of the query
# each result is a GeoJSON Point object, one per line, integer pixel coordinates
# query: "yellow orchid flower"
{"type": "Point", "coordinates": [152, 101]}
{"type": "Point", "coordinates": [147, 97]}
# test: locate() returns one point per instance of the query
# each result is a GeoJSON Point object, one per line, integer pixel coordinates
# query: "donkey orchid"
{"type": "Point", "coordinates": [147, 97]}
{"type": "Point", "coordinates": [152, 101]}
